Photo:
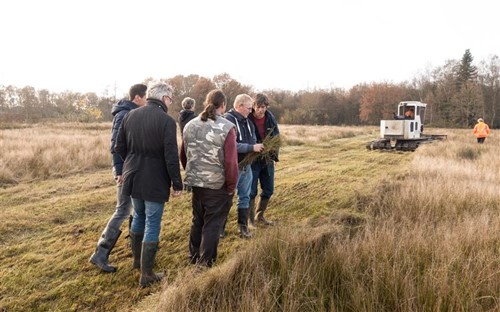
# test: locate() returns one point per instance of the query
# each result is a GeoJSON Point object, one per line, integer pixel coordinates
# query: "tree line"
{"type": "Point", "coordinates": [457, 94]}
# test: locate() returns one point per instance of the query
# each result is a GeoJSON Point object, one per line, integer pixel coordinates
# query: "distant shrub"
{"type": "Point", "coordinates": [6, 177]}
{"type": "Point", "coordinates": [469, 153]}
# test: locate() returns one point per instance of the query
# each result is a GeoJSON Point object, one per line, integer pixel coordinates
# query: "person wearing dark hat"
{"type": "Point", "coordinates": [147, 141]}
{"type": "Point", "coordinates": [481, 131]}
{"type": "Point", "coordinates": [107, 241]}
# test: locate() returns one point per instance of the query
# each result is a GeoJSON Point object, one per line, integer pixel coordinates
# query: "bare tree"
{"type": "Point", "coordinates": [489, 78]}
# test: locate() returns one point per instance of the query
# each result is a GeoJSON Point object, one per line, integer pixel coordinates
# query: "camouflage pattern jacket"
{"type": "Point", "coordinates": [208, 154]}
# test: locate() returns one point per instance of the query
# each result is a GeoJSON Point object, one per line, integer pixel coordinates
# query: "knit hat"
{"type": "Point", "coordinates": [480, 120]}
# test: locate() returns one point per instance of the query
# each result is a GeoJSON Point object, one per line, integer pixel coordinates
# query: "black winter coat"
{"type": "Point", "coordinates": [147, 141]}
{"type": "Point", "coordinates": [185, 116]}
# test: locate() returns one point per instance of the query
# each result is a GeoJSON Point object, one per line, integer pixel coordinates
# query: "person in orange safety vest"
{"type": "Point", "coordinates": [481, 131]}
{"type": "Point", "coordinates": [410, 113]}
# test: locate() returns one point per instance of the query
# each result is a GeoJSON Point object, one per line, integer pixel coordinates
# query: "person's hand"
{"type": "Point", "coordinates": [177, 193]}
{"type": "Point", "coordinates": [258, 148]}
{"type": "Point", "coordinates": [119, 180]}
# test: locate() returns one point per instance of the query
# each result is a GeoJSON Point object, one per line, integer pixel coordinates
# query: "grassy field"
{"type": "Point", "coordinates": [358, 230]}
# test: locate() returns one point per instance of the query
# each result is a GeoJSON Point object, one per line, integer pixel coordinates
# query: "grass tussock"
{"type": "Point", "coordinates": [468, 152]}
{"type": "Point", "coordinates": [279, 273]}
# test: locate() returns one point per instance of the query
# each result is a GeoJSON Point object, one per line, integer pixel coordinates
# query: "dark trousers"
{"type": "Point", "coordinates": [210, 210]}
{"type": "Point", "coordinates": [480, 140]}
{"type": "Point", "coordinates": [263, 172]}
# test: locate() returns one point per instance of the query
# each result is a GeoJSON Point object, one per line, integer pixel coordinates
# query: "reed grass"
{"type": "Point", "coordinates": [41, 151]}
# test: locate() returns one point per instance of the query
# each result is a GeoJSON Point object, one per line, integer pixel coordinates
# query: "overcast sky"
{"type": "Point", "coordinates": [92, 45]}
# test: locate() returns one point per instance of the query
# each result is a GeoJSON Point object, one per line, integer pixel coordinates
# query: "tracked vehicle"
{"type": "Point", "coordinates": [405, 131]}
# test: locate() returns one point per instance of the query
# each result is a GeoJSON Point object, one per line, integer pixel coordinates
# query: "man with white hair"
{"type": "Point", "coordinates": [147, 141]}
{"type": "Point", "coordinates": [246, 143]}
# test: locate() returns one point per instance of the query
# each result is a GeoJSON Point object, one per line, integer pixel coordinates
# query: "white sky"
{"type": "Point", "coordinates": [92, 45]}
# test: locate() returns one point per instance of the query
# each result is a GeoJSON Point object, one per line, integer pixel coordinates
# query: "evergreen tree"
{"type": "Point", "coordinates": [466, 71]}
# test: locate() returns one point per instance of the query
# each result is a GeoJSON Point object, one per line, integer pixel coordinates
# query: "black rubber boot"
{"type": "Point", "coordinates": [243, 223]}
{"type": "Point", "coordinates": [148, 256]}
{"type": "Point", "coordinates": [136, 245]}
{"type": "Point", "coordinates": [260, 212]}
{"type": "Point", "coordinates": [104, 246]}
{"type": "Point", "coordinates": [251, 212]}
{"type": "Point", "coordinates": [222, 233]}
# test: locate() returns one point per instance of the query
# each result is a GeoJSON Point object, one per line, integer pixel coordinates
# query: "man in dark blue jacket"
{"type": "Point", "coordinates": [263, 167]}
{"type": "Point", "coordinates": [147, 140]}
{"type": "Point", "coordinates": [246, 143]}
{"type": "Point", "coordinates": [137, 98]}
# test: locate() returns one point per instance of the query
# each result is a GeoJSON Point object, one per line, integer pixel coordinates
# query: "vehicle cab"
{"type": "Point", "coordinates": [407, 123]}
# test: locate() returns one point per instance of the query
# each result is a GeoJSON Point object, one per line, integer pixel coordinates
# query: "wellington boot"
{"type": "Point", "coordinates": [251, 213]}
{"type": "Point", "coordinates": [260, 212]}
{"type": "Point", "coordinates": [104, 246]}
{"type": "Point", "coordinates": [136, 245]}
{"type": "Point", "coordinates": [222, 232]}
{"type": "Point", "coordinates": [243, 230]}
{"type": "Point", "coordinates": [148, 256]}
{"type": "Point", "coordinates": [243, 223]}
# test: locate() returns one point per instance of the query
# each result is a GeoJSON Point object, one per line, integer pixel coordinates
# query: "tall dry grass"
{"type": "Point", "coordinates": [430, 242]}
{"type": "Point", "coordinates": [51, 224]}
{"type": "Point", "coordinates": [41, 151]}
{"type": "Point", "coordinates": [423, 237]}
{"type": "Point", "coordinates": [303, 134]}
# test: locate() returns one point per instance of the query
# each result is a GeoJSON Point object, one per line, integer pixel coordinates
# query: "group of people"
{"type": "Point", "coordinates": [146, 166]}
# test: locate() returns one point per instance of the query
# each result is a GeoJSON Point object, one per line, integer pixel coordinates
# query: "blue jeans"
{"type": "Point", "coordinates": [147, 219]}
{"type": "Point", "coordinates": [265, 174]}
{"type": "Point", "coordinates": [244, 187]}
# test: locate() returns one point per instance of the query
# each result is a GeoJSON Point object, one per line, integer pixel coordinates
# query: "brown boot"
{"type": "Point", "coordinates": [260, 212]}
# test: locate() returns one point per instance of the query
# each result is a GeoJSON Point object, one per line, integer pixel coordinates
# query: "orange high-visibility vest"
{"type": "Point", "coordinates": [481, 130]}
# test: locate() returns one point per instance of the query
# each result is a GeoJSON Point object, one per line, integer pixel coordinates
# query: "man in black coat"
{"type": "Point", "coordinates": [147, 141]}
